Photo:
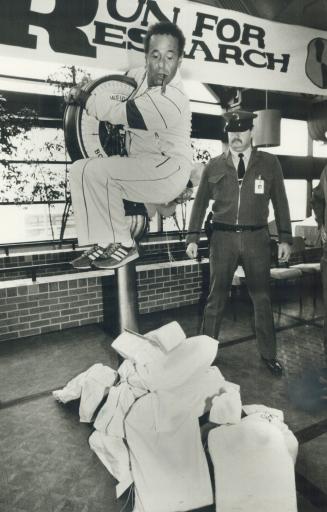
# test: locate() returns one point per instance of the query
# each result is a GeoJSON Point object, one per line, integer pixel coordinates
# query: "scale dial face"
{"type": "Point", "coordinates": [85, 136]}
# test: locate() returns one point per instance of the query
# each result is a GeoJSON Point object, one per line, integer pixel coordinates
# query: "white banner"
{"type": "Point", "coordinates": [222, 46]}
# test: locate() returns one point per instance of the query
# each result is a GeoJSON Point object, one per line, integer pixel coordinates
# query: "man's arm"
{"type": "Point", "coordinates": [318, 204]}
{"type": "Point", "coordinates": [280, 205]}
{"type": "Point", "coordinates": [150, 111]}
{"type": "Point", "coordinates": [199, 208]}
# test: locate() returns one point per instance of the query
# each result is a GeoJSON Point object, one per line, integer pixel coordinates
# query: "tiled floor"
{"type": "Point", "coordinates": [46, 464]}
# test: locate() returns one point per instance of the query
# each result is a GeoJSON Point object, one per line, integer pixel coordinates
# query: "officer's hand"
{"type": "Point", "coordinates": [76, 96]}
{"type": "Point", "coordinates": [284, 252]}
{"type": "Point", "coordinates": [323, 234]}
{"type": "Point", "coordinates": [192, 250]}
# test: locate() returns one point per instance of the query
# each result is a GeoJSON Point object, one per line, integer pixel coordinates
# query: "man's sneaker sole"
{"type": "Point", "coordinates": [102, 264]}
{"type": "Point", "coordinates": [81, 267]}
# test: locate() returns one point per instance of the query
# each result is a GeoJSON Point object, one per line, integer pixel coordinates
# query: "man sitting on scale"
{"type": "Point", "coordinates": [157, 119]}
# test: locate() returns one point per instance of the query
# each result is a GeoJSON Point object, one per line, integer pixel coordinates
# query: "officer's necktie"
{"type": "Point", "coordinates": [240, 167]}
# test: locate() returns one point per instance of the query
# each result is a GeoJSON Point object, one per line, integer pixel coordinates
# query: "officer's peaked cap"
{"type": "Point", "coordinates": [238, 120]}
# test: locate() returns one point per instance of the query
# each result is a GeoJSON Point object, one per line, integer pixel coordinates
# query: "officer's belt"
{"type": "Point", "coordinates": [237, 228]}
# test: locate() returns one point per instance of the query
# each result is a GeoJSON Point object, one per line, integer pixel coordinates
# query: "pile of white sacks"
{"type": "Point", "coordinates": [147, 432]}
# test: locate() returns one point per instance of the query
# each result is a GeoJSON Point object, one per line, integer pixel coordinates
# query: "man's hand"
{"type": "Point", "coordinates": [284, 252]}
{"type": "Point", "coordinates": [76, 96]}
{"type": "Point", "coordinates": [192, 250]}
{"type": "Point", "coordinates": [184, 196]}
{"type": "Point", "coordinates": [323, 234]}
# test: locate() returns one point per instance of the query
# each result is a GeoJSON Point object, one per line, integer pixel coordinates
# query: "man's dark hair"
{"type": "Point", "coordinates": [165, 28]}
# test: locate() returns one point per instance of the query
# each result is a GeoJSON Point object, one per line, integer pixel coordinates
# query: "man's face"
{"type": "Point", "coordinates": [162, 61]}
{"type": "Point", "coordinates": [240, 141]}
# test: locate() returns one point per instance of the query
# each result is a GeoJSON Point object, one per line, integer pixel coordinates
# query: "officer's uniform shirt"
{"type": "Point", "coordinates": [247, 208]}
{"type": "Point", "coordinates": [246, 157]}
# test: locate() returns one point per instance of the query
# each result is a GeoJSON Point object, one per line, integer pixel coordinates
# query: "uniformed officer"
{"type": "Point", "coordinates": [241, 182]}
{"type": "Point", "coordinates": [319, 200]}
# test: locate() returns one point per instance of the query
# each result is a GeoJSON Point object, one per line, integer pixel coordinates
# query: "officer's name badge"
{"type": "Point", "coordinates": [259, 186]}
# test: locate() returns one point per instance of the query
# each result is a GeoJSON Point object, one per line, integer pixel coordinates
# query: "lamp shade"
{"type": "Point", "coordinates": [266, 128]}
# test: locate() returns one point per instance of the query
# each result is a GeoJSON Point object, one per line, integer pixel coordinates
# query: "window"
{"type": "Point", "coordinates": [319, 149]}
{"type": "Point", "coordinates": [296, 191]}
{"type": "Point", "coordinates": [37, 174]}
{"type": "Point", "coordinates": [294, 142]}
{"type": "Point", "coordinates": [29, 223]}
{"type": "Point", "coordinates": [39, 169]}
{"type": "Point", "coordinates": [293, 139]}
{"type": "Point", "coordinates": [40, 161]}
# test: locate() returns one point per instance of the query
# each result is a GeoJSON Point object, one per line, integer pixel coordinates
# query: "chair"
{"type": "Point", "coordinates": [281, 275]}
{"type": "Point", "coordinates": [309, 269]}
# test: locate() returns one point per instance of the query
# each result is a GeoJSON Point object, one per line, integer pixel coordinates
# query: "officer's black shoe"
{"type": "Point", "coordinates": [273, 365]}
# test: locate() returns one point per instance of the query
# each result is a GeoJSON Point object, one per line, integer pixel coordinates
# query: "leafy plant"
{"type": "Point", "coordinates": [199, 154]}
{"type": "Point", "coordinates": [35, 181]}
{"type": "Point", "coordinates": [68, 76]}
{"type": "Point", "coordinates": [12, 125]}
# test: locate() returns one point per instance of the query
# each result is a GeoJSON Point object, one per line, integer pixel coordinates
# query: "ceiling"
{"type": "Point", "coordinates": [307, 13]}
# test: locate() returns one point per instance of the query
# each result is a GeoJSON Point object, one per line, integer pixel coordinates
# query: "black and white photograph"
{"type": "Point", "coordinates": [163, 255]}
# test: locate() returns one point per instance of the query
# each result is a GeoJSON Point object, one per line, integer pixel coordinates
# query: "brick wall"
{"type": "Point", "coordinates": [58, 302]}
{"type": "Point", "coordinates": [29, 308]}
{"type": "Point", "coordinates": [170, 285]}
{"type": "Point", "coordinates": [19, 266]}
{"type": "Point", "coordinates": [54, 303]}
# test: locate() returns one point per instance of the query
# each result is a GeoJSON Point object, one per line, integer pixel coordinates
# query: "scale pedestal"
{"type": "Point", "coordinates": [120, 307]}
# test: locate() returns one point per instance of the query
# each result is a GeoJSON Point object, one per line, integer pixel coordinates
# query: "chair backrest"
{"type": "Point", "coordinates": [298, 244]}
{"type": "Point", "coordinates": [298, 248]}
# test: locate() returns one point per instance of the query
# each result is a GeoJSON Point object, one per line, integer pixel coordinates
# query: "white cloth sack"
{"type": "Point", "coordinates": [187, 361]}
{"type": "Point", "coordinates": [136, 348]}
{"type": "Point", "coordinates": [110, 418]}
{"type": "Point", "coordinates": [178, 417]}
{"type": "Point", "coordinates": [227, 406]}
{"type": "Point", "coordinates": [108, 439]}
{"type": "Point", "coordinates": [114, 455]}
{"type": "Point", "coordinates": [90, 386]}
{"type": "Point", "coordinates": [169, 469]}
{"type": "Point", "coordinates": [168, 336]}
{"type": "Point", "coordinates": [257, 412]}
{"type": "Point", "coordinates": [254, 470]}
{"type": "Point", "coordinates": [191, 399]}
{"type": "Point", "coordinates": [144, 349]}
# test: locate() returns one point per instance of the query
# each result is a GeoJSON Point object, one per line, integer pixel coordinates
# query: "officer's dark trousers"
{"type": "Point", "coordinates": [251, 249]}
{"type": "Point", "coordinates": [323, 266]}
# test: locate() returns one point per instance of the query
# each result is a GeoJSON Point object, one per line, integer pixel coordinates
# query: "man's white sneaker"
{"type": "Point", "coordinates": [85, 261]}
{"type": "Point", "coordinates": [116, 255]}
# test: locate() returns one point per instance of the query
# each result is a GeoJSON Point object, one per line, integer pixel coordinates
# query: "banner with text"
{"type": "Point", "coordinates": [222, 46]}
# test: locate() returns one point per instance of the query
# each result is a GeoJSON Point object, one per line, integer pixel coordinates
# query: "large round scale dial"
{"type": "Point", "coordinates": [86, 137]}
